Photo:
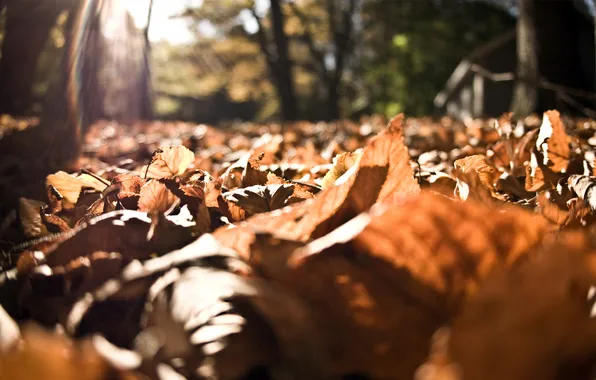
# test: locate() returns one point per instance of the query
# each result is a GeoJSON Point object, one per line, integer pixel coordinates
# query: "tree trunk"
{"type": "Point", "coordinates": [525, 94]}
{"type": "Point", "coordinates": [342, 30]}
{"type": "Point", "coordinates": [283, 64]}
{"type": "Point", "coordinates": [27, 30]}
{"type": "Point", "coordinates": [565, 38]}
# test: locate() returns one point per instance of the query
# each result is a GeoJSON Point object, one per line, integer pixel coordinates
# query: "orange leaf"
{"type": "Point", "coordinates": [553, 142]}
{"type": "Point", "coordinates": [382, 175]}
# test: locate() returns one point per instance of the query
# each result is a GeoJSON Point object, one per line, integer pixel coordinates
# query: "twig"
{"type": "Point", "coordinates": [542, 83]}
{"type": "Point", "coordinates": [102, 180]}
{"type": "Point", "coordinates": [308, 38]}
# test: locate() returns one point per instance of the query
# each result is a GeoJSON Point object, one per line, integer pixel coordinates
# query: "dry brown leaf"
{"type": "Point", "coordinates": [128, 183]}
{"type": "Point", "coordinates": [239, 239]}
{"type": "Point", "coordinates": [55, 199]}
{"type": "Point", "coordinates": [553, 142]}
{"type": "Point", "coordinates": [551, 211]}
{"type": "Point", "coordinates": [70, 186]}
{"type": "Point", "coordinates": [398, 266]}
{"type": "Point", "coordinates": [254, 200]}
{"type": "Point", "coordinates": [155, 197]}
{"type": "Point", "coordinates": [538, 176]}
{"type": "Point", "coordinates": [583, 186]}
{"type": "Point", "coordinates": [365, 307]}
{"type": "Point", "coordinates": [479, 165]}
{"type": "Point", "coordinates": [341, 164]}
{"type": "Point", "coordinates": [169, 161]}
{"type": "Point", "coordinates": [383, 174]}
{"type": "Point", "coordinates": [301, 192]}
{"type": "Point", "coordinates": [231, 210]}
{"type": "Point", "coordinates": [43, 355]}
{"type": "Point", "coordinates": [476, 178]}
{"type": "Point", "coordinates": [537, 317]}
{"type": "Point", "coordinates": [448, 245]}
{"type": "Point", "coordinates": [30, 216]}
{"type": "Point", "coordinates": [252, 174]}
{"type": "Point", "coordinates": [54, 223]}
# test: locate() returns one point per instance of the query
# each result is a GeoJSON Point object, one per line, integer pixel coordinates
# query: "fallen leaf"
{"type": "Point", "coordinates": [553, 142]}
{"type": "Point", "coordinates": [538, 176]}
{"type": "Point", "coordinates": [30, 217]}
{"type": "Point", "coordinates": [252, 175]}
{"type": "Point", "coordinates": [54, 223]}
{"type": "Point", "coordinates": [341, 164]}
{"type": "Point", "coordinates": [479, 165]}
{"type": "Point", "coordinates": [155, 197]}
{"type": "Point", "coordinates": [583, 186]}
{"type": "Point", "coordinates": [44, 355]}
{"type": "Point", "coordinates": [70, 186]}
{"type": "Point", "coordinates": [169, 161]}
{"type": "Point", "coordinates": [383, 174]}
{"type": "Point", "coordinates": [551, 287]}
{"type": "Point", "coordinates": [259, 199]}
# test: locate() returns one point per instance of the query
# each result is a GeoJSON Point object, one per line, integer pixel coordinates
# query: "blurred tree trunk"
{"type": "Point", "coordinates": [341, 25]}
{"type": "Point", "coordinates": [340, 15]}
{"type": "Point", "coordinates": [146, 89]}
{"type": "Point", "coordinates": [525, 94]}
{"type": "Point", "coordinates": [27, 30]}
{"type": "Point", "coordinates": [565, 38]}
{"type": "Point", "coordinates": [283, 64]}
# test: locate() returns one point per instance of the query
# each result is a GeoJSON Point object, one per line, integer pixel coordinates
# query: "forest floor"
{"type": "Point", "coordinates": [396, 249]}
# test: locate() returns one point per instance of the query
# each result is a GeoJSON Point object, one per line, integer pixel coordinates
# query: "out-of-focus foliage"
{"type": "Point", "coordinates": [49, 61]}
{"type": "Point", "coordinates": [404, 51]}
{"type": "Point", "coordinates": [401, 55]}
{"type": "Point", "coordinates": [412, 47]}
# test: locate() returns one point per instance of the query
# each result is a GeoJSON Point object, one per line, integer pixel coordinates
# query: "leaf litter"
{"type": "Point", "coordinates": [421, 249]}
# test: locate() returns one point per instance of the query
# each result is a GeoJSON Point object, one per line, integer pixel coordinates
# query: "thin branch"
{"type": "Point", "coordinates": [149, 12]}
{"type": "Point", "coordinates": [542, 83]}
{"type": "Point", "coordinates": [263, 41]}
{"type": "Point", "coordinates": [343, 39]}
{"type": "Point", "coordinates": [585, 110]}
{"type": "Point", "coordinates": [308, 38]}
{"type": "Point", "coordinates": [493, 77]}
{"type": "Point", "coordinates": [332, 18]}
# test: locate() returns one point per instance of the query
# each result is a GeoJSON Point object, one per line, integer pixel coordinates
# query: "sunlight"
{"type": "Point", "coordinates": [163, 26]}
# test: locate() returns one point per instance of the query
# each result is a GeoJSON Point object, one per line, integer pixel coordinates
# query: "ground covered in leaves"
{"type": "Point", "coordinates": [376, 250]}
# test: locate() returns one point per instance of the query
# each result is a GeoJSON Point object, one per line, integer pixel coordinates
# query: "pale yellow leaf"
{"type": "Point", "coordinates": [169, 162]}
{"type": "Point", "coordinates": [70, 186]}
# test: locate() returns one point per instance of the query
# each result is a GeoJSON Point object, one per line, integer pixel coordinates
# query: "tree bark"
{"type": "Point", "coordinates": [525, 94]}
{"type": "Point", "coordinates": [27, 30]}
{"type": "Point", "coordinates": [342, 39]}
{"type": "Point", "coordinates": [283, 64]}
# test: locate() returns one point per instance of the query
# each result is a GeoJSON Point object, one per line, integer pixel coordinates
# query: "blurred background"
{"type": "Point", "coordinates": [214, 61]}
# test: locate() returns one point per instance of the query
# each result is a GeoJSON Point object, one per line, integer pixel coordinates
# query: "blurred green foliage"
{"type": "Point", "coordinates": [413, 47]}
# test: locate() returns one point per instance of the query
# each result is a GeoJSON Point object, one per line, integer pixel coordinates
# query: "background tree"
{"type": "Point", "coordinates": [553, 69]}
{"type": "Point", "coordinates": [331, 60]}
{"type": "Point", "coordinates": [525, 95]}
{"type": "Point", "coordinates": [26, 30]}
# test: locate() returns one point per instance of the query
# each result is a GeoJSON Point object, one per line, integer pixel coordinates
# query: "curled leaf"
{"type": "Point", "coordinates": [341, 164]}
{"type": "Point", "coordinates": [70, 186]}
{"type": "Point", "coordinates": [169, 161]}
{"type": "Point", "coordinates": [382, 175]}
{"type": "Point", "coordinates": [30, 216]}
{"type": "Point", "coordinates": [258, 199]}
{"type": "Point", "coordinates": [553, 142]}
